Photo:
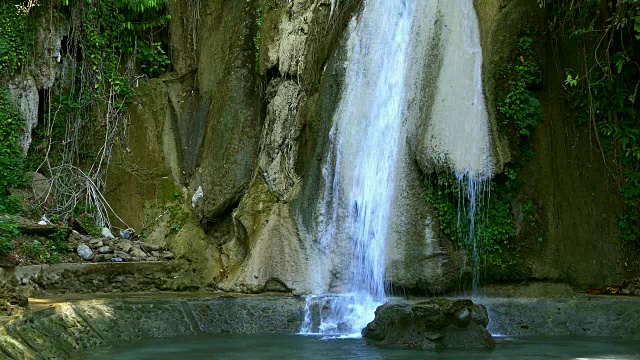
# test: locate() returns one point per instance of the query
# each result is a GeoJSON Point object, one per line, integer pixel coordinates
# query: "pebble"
{"type": "Point", "coordinates": [96, 243]}
{"type": "Point", "coordinates": [104, 250]}
{"type": "Point", "coordinates": [122, 255]}
{"type": "Point", "coordinates": [150, 247]}
{"type": "Point", "coordinates": [103, 257]}
{"type": "Point", "coordinates": [136, 252]}
{"type": "Point", "coordinates": [85, 252]}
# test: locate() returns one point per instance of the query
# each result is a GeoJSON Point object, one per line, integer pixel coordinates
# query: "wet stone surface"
{"type": "Point", "coordinates": [434, 324]}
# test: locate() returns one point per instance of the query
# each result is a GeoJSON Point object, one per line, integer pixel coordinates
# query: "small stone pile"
{"type": "Point", "coordinates": [434, 324]}
{"type": "Point", "coordinates": [118, 250]}
{"type": "Point", "coordinates": [631, 287]}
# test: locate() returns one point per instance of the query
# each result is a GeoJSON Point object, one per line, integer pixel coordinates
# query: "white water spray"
{"type": "Point", "coordinates": [359, 172]}
{"type": "Point", "coordinates": [364, 139]}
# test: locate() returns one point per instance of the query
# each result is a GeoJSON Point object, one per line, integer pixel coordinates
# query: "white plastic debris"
{"type": "Point", "coordinates": [126, 234]}
{"type": "Point", "coordinates": [44, 221]}
{"type": "Point", "coordinates": [197, 196]}
{"type": "Point", "coordinates": [106, 233]}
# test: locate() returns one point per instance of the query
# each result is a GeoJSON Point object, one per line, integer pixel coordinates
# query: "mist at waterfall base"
{"type": "Point", "coordinates": [365, 138]}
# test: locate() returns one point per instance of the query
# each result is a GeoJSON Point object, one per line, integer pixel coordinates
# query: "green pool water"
{"type": "Point", "coordinates": [248, 347]}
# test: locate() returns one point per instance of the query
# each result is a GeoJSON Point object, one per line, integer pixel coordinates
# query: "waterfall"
{"type": "Point", "coordinates": [459, 120]}
{"type": "Point", "coordinates": [369, 128]}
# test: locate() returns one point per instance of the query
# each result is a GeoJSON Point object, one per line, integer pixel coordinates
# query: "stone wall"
{"type": "Point", "coordinates": [59, 331]}
{"type": "Point", "coordinates": [46, 280]}
{"type": "Point", "coordinates": [577, 316]}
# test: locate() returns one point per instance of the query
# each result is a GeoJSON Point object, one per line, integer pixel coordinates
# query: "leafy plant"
{"type": "Point", "coordinates": [42, 251]}
{"type": "Point", "coordinates": [8, 231]}
{"type": "Point", "coordinates": [152, 59]}
{"type": "Point", "coordinates": [12, 170]}
{"type": "Point", "coordinates": [17, 37]}
{"type": "Point", "coordinates": [521, 105]}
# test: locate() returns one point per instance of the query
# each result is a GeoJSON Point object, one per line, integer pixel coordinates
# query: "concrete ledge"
{"type": "Point", "coordinates": [581, 315]}
{"type": "Point", "coordinates": [58, 331]}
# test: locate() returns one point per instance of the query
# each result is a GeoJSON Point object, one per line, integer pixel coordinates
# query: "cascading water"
{"type": "Point", "coordinates": [367, 134]}
{"type": "Point", "coordinates": [459, 120]}
{"type": "Point", "coordinates": [364, 140]}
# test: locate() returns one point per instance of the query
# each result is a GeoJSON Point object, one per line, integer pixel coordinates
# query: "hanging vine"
{"type": "Point", "coordinates": [603, 85]}
{"type": "Point", "coordinates": [111, 46]}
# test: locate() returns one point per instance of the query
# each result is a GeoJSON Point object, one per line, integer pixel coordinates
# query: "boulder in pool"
{"type": "Point", "coordinates": [436, 324]}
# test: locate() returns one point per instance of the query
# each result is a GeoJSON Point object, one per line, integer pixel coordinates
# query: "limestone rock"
{"type": "Point", "coordinates": [122, 245]}
{"type": "Point", "coordinates": [138, 253]}
{"type": "Point", "coordinates": [103, 257]}
{"type": "Point", "coordinates": [150, 247]}
{"type": "Point", "coordinates": [122, 255]}
{"type": "Point", "coordinates": [24, 94]}
{"type": "Point", "coordinates": [275, 259]}
{"type": "Point", "coordinates": [286, 39]}
{"type": "Point", "coordinates": [435, 324]}
{"type": "Point", "coordinates": [8, 262]}
{"type": "Point", "coordinates": [96, 243]}
{"type": "Point", "coordinates": [85, 252]}
{"type": "Point", "coordinates": [279, 148]}
{"type": "Point", "coordinates": [104, 250]}
{"type": "Point", "coordinates": [39, 184]}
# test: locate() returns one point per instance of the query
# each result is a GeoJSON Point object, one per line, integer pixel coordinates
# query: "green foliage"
{"type": "Point", "coordinates": [521, 105]}
{"type": "Point", "coordinates": [604, 90]}
{"type": "Point", "coordinates": [16, 42]}
{"type": "Point", "coordinates": [115, 30]}
{"type": "Point", "coordinates": [11, 157]}
{"type": "Point", "coordinates": [152, 59]}
{"type": "Point", "coordinates": [47, 250]}
{"type": "Point", "coordinates": [112, 31]}
{"type": "Point", "coordinates": [494, 222]}
{"type": "Point", "coordinates": [42, 251]}
{"type": "Point", "coordinates": [84, 215]}
{"type": "Point", "coordinates": [16, 38]}
{"type": "Point", "coordinates": [8, 231]}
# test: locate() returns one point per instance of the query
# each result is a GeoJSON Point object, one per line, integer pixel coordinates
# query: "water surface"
{"type": "Point", "coordinates": [246, 347]}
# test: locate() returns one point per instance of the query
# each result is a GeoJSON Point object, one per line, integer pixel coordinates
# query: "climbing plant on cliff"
{"type": "Point", "coordinates": [603, 83]}
{"type": "Point", "coordinates": [16, 39]}
{"type": "Point", "coordinates": [16, 43]}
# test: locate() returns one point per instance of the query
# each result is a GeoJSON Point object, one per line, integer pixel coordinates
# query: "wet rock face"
{"type": "Point", "coordinates": [436, 324]}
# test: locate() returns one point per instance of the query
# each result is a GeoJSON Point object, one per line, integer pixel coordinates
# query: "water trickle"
{"type": "Point", "coordinates": [472, 191]}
